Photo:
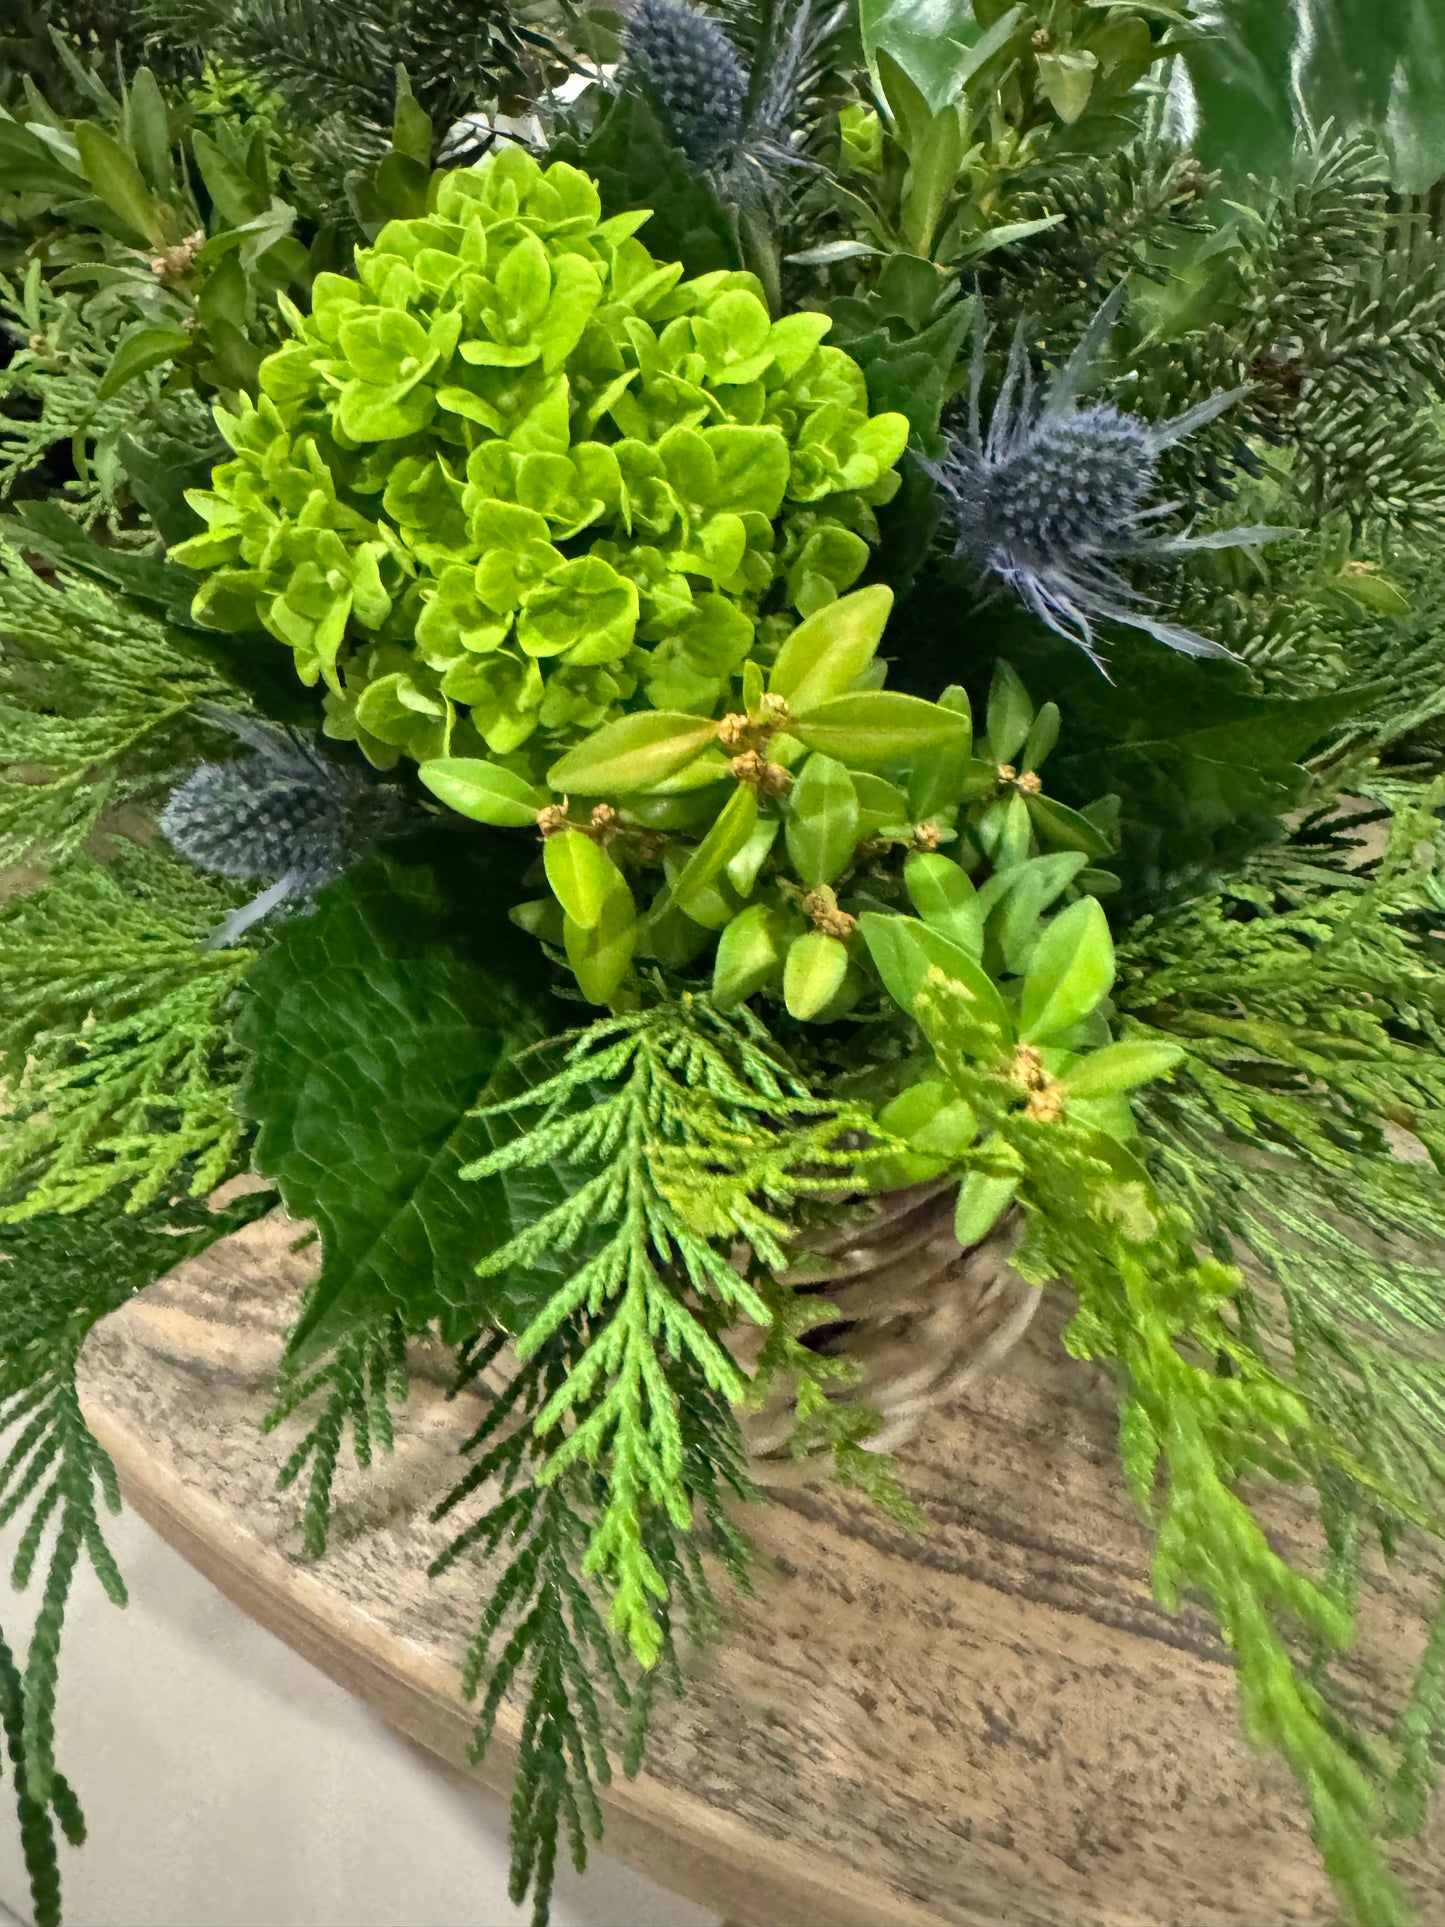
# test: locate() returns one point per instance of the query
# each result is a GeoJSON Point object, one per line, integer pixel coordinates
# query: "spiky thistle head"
{"type": "Point", "coordinates": [711, 104]}
{"type": "Point", "coordinates": [286, 812]}
{"type": "Point", "coordinates": [694, 74]}
{"type": "Point", "coordinates": [1053, 493]}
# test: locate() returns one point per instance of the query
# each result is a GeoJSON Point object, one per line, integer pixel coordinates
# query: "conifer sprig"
{"type": "Point", "coordinates": [686, 1121]}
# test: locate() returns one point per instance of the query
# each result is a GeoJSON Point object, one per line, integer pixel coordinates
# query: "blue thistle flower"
{"type": "Point", "coordinates": [701, 85]}
{"type": "Point", "coordinates": [285, 812]}
{"type": "Point", "coordinates": [695, 75]}
{"type": "Point", "coordinates": [1055, 492]}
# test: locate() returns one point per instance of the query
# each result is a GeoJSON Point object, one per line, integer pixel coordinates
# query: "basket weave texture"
{"type": "Point", "coordinates": [920, 1317]}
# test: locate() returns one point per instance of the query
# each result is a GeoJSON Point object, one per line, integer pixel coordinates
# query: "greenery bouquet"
{"type": "Point", "coordinates": [622, 630]}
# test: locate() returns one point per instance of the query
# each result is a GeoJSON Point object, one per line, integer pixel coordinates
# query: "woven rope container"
{"type": "Point", "coordinates": [921, 1318]}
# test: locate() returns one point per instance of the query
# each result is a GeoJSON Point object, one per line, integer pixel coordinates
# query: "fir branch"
{"type": "Point", "coordinates": [683, 1121]}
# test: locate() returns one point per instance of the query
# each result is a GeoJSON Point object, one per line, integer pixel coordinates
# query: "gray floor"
{"type": "Point", "coordinates": [229, 1784]}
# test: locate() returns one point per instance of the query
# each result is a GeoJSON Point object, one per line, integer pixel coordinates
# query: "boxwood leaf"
{"type": "Point", "coordinates": [826, 654]}
{"type": "Point", "coordinates": [879, 726]}
{"type": "Point", "coordinates": [750, 953]}
{"type": "Point", "coordinates": [904, 950]}
{"type": "Point", "coordinates": [483, 791]}
{"type": "Point", "coordinates": [581, 874]}
{"type": "Point", "coordinates": [822, 820]}
{"type": "Point", "coordinates": [813, 973]}
{"type": "Point", "coordinates": [601, 952]}
{"type": "Point", "coordinates": [1069, 973]}
{"type": "Point", "coordinates": [1119, 1067]}
{"type": "Point", "coordinates": [730, 834]}
{"type": "Point", "coordinates": [633, 754]}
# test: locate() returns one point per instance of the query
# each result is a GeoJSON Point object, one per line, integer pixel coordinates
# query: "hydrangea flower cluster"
{"type": "Point", "coordinates": [1053, 493]}
{"type": "Point", "coordinates": [518, 477]}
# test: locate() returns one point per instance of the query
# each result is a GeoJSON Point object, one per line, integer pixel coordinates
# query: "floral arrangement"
{"type": "Point", "coordinates": [836, 602]}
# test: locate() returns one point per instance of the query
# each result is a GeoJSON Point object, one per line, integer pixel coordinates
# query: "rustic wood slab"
{"type": "Point", "coordinates": [993, 1722]}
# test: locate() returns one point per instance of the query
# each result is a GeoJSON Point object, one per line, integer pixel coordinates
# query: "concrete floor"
{"type": "Point", "coordinates": [229, 1784]}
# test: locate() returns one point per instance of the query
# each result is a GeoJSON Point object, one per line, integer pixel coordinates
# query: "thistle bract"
{"type": "Point", "coordinates": [1053, 493]}
{"type": "Point", "coordinates": [518, 477]}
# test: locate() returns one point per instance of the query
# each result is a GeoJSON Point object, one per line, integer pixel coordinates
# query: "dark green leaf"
{"type": "Point", "coordinates": [373, 1027]}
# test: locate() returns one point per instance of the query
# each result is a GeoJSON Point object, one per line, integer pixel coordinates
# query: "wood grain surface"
{"type": "Point", "coordinates": [993, 1722]}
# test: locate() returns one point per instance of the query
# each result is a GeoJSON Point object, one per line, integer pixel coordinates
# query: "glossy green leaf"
{"type": "Point", "coordinates": [1010, 713]}
{"type": "Point", "coordinates": [982, 1201]}
{"type": "Point", "coordinates": [826, 654]}
{"type": "Point", "coordinates": [1059, 828]}
{"type": "Point", "coordinates": [813, 973]}
{"type": "Point", "coordinates": [880, 726]}
{"type": "Point", "coordinates": [149, 124]}
{"type": "Point", "coordinates": [1265, 73]}
{"type": "Point", "coordinates": [636, 753]}
{"type": "Point", "coordinates": [1066, 80]}
{"type": "Point", "coordinates": [944, 896]}
{"type": "Point", "coordinates": [483, 791]}
{"type": "Point", "coordinates": [116, 179]}
{"type": "Point", "coordinates": [750, 953]}
{"type": "Point", "coordinates": [601, 953]}
{"type": "Point", "coordinates": [939, 44]}
{"type": "Point", "coordinates": [729, 835]}
{"type": "Point", "coordinates": [1043, 735]}
{"type": "Point", "coordinates": [1119, 1067]}
{"type": "Point", "coordinates": [905, 950]}
{"type": "Point", "coordinates": [822, 820]}
{"type": "Point", "coordinates": [1029, 888]}
{"type": "Point", "coordinates": [143, 349]}
{"type": "Point", "coordinates": [1070, 972]}
{"type": "Point", "coordinates": [582, 875]}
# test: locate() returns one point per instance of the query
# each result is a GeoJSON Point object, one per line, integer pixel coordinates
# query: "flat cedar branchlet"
{"type": "Point", "coordinates": [551, 710]}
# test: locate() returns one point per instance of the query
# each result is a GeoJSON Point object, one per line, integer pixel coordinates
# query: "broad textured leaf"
{"type": "Point", "coordinates": [1361, 64]}
{"type": "Point", "coordinates": [374, 1026]}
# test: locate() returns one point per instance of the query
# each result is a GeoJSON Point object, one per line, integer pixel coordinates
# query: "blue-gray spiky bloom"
{"type": "Point", "coordinates": [695, 75]}
{"type": "Point", "coordinates": [285, 812]}
{"type": "Point", "coordinates": [701, 87]}
{"type": "Point", "coordinates": [1054, 493]}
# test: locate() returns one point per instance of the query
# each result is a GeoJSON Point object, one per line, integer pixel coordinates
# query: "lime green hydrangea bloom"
{"type": "Point", "coordinates": [518, 477]}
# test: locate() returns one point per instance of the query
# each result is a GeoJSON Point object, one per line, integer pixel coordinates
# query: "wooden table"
{"type": "Point", "coordinates": [994, 1722]}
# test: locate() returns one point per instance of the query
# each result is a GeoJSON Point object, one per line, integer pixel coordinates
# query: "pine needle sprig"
{"type": "Point", "coordinates": [684, 1122]}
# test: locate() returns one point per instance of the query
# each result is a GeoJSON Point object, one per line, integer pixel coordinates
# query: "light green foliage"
{"type": "Point", "coordinates": [689, 1132]}
{"type": "Point", "coordinates": [94, 702]}
{"type": "Point", "coordinates": [116, 1039]}
{"type": "Point", "coordinates": [1150, 1306]}
{"type": "Point", "coordinates": [752, 845]}
{"type": "Point", "coordinates": [541, 1624]}
{"type": "Point", "coordinates": [519, 477]}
